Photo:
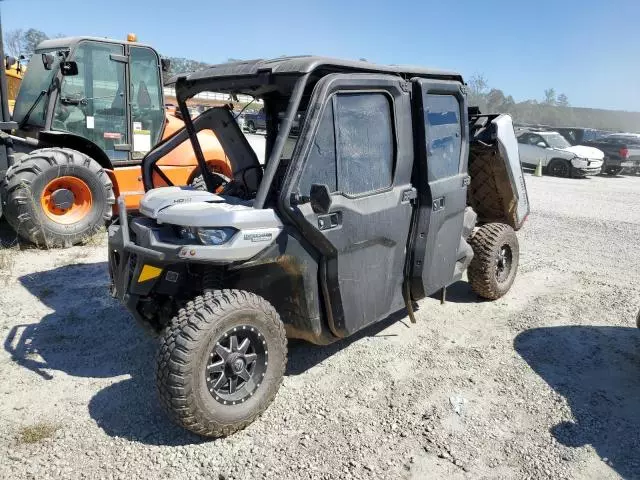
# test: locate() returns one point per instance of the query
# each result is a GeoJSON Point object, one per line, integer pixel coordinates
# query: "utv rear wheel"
{"type": "Point", "coordinates": [221, 362]}
{"type": "Point", "coordinates": [495, 260]}
{"type": "Point", "coordinates": [559, 168]}
{"type": "Point", "coordinates": [57, 197]}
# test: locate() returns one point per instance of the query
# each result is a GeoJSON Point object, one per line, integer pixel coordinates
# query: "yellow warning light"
{"type": "Point", "coordinates": [132, 37]}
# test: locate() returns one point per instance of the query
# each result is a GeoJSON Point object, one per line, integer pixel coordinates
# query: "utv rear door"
{"type": "Point", "coordinates": [440, 175]}
{"type": "Point", "coordinates": [356, 142]}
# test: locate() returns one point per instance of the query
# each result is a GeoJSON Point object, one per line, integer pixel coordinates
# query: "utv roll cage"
{"type": "Point", "coordinates": [286, 78]}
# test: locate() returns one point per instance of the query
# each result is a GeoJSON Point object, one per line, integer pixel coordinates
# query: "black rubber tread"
{"type": "Point", "coordinates": [486, 244]}
{"type": "Point", "coordinates": [483, 192]}
{"type": "Point", "coordinates": [25, 181]}
{"type": "Point", "coordinates": [178, 354]}
{"type": "Point", "coordinates": [556, 160]}
{"type": "Point", "coordinates": [198, 183]}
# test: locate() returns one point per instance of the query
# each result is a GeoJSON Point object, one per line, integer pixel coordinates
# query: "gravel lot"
{"type": "Point", "coordinates": [544, 383]}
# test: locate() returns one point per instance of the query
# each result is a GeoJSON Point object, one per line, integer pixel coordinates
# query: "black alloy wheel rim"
{"type": "Point", "coordinates": [237, 365]}
{"type": "Point", "coordinates": [503, 263]}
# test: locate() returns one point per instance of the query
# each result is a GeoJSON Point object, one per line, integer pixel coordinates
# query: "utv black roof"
{"type": "Point", "coordinates": [250, 75]}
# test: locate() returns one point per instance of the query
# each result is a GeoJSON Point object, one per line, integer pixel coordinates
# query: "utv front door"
{"type": "Point", "coordinates": [357, 147]}
{"type": "Point", "coordinates": [441, 127]}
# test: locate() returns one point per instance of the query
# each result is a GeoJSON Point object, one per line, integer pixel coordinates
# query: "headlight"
{"type": "Point", "coordinates": [214, 236]}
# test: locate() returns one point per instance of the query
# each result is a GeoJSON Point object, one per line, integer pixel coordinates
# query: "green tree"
{"type": "Point", "coordinates": [477, 94]}
{"type": "Point", "coordinates": [550, 96]}
{"type": "Point", "coordinates": [563, 101]}
{"type": "Point", "coordinates": [31, 39]}
{"type": "Point", "coordinates": [13, 42]}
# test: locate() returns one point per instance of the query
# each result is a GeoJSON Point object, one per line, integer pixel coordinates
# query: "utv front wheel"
{"type": "Point", "coordinates": [221, 362]}
{"type": "Point", "coordinates": [495, 260]}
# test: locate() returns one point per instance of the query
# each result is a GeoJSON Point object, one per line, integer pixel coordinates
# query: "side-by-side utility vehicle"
{"type": "Point", "coordinates": [392, 190]}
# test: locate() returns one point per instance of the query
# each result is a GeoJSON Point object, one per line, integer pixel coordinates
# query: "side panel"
{"type": "Point", "coordinates": [508, 148]}
{"type": "Point", "coordinates": [353, 122]}
{"type": "Point", "coordinates": [441, 143]}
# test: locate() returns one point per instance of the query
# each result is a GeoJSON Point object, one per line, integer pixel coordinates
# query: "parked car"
{"type": "Point", "coordinates": [254, 121]}
{"type": "Point", "coordinates": [240, 118]}
{"type": "Point", "coordinates": [558, 157]}
{"type": "Point", "coordinates": [578, 136]}
{"type": "Point", "coordinates": [622, 152]}
{"type": "Point", "coordinates": [258, 121]}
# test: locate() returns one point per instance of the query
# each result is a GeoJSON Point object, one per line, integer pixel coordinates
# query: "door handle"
{"type": "Point", "coordinates": [330, 220]}
{"type": "Point", "coordinates": [438, 204]}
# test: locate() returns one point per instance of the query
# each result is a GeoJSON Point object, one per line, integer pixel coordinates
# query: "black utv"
{"type": "Point", "coordinates": [391, 190]}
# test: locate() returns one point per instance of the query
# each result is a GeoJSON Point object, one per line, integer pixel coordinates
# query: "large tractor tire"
{"type": "Point", "coordinates": [57, 197]}
{"type": "Point", "coordinates": [221, 362]}
{"type": "Point", "coordinates": [496, 254]}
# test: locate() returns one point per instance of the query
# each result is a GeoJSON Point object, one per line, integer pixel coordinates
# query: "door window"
{"type": "Point", "coordinates": [92, 104]}
{"type": "Point", "coordinates": [146, 100]}
{"type": "Point", "coordinates": [353, 151]}
{"type": "Point", "coordinates": [444, 142]}
{"type": "Point", "coordinates": [321, 164]}
{"type": "Point", "coordinates": [365, 142]}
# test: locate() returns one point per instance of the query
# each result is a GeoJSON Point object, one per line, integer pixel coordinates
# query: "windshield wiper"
{"type": "Point", "coordinates": [25, 119]}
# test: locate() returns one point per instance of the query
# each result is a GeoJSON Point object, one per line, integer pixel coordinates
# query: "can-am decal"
{"type": "Point", "coordinates": [258, 237]}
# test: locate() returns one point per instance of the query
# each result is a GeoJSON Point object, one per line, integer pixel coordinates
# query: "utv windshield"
{"type": "Point", "coordinates": [36, 80]}
{"type": "Point", "coordinates": [555, 140]}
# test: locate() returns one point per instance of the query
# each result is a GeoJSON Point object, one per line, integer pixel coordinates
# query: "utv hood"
{"type": "Point", "coordinates": [194, 208]}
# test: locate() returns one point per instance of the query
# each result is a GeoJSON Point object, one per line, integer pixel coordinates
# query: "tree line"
{"type": "Point", "coordinates": [553, 109]}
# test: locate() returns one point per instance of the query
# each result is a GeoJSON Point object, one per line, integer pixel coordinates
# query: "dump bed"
{"type": "Point", "coordinates": [497, 191]}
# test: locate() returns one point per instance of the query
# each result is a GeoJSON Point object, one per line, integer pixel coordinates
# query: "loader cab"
{"type": "Point", "coordinates": [96, 92]}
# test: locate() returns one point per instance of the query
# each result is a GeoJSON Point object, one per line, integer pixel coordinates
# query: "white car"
{"type": "Point", "coordinates": [557, 155]}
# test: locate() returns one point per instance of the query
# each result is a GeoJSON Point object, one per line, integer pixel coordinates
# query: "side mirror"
{"type": "Point", "coordinates": [320, 198]}
{"type": "Point", "coordinates": [47, 61]}
{"type": "Point", "coordinates": [69, 68]}
{"type": "Point", "coordinates": [9, 62]}
{"type": "Point", "coordinates": [541, 145]}
{"type": "Point", "coordinates": [166, 64]}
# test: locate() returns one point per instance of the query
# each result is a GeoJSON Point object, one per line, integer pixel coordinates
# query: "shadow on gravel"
{"type": "Point", "coordinates": [89, 334]}
{"type": "Point", "coordinates": [303, 356]}
{"type": "Point", "coordinates": [460, 292]}
{"type": "Point", "coordinates": [597, 370]}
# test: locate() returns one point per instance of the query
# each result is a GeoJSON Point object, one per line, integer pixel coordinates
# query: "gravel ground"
{"type": "Point", "coordinates": [543, 383]}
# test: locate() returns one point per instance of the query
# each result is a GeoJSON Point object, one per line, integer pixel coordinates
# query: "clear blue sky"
{"type": "Point", "coordinates": [589, 49]}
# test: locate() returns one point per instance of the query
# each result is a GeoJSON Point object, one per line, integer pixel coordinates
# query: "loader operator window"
{"type": "Point", "coordinates": [442, 118]}
{"type": "Point", "coordinates": [353, 151]}
{"type": "Point", "coordinates": [146, 100]}
{"type": "Point", "coordinates": [92, 104]}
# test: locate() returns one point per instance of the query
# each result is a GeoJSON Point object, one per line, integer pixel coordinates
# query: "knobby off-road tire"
{"type": "Point", "coordinates": [27, 189]}
{"type": "Point", "coordinates": [495, 260]}
{"type": "Point", "coordinates": [483, 192]}
{"type": "Point", "coordinates": [187, 355]}
{"type": "Point", "coordinates": [197, 183]}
